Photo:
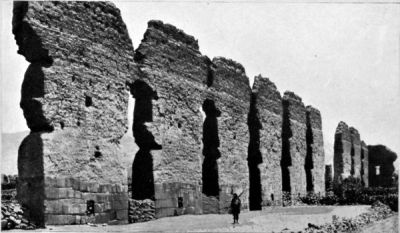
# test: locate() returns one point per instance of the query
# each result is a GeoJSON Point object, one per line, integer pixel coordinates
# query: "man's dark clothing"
{"type": "Point", "coordinates": [235, 207]}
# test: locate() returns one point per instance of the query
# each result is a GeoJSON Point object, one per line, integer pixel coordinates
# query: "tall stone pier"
{"type": "Point", "coordinates": [364, 164]}
{"type": "Point", "coordinates": [355, 153]}
{"type": "Point", "coordinates": [294, 148]}
{"type": "Point", "coordinates": [74, 98]}
{"type": "Point", "coordinates": [315, 157]}
{"type": "Point", "coordinates": [342, 154]}
{"type": "Point", "coordinates": [265, 146]}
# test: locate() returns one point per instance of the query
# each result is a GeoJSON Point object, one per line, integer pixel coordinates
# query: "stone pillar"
{"type": "Point", "coordinates": [265, 148]}
{"type": "Point", "coordinates": [74, 98]}
{"type": "Point", "coordinates": [230, 91]}
{"type": "Point", "coordinates": [295, 133]}
{"type": "Point", "coordinates": [355, 152]}
{"type": "Point", "coordinates": [364, 164]}
{"type": "Point", "coordinates": [341, 157]}
{"type": "Point", "coordinates": [314, 125]}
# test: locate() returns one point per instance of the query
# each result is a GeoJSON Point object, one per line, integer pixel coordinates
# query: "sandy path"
{"type": "Point", "coordinates": [389, 225]}
{"type": "Point", "coordinates": [268, 220]}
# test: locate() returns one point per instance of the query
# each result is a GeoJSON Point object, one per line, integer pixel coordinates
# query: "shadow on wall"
{"type": "Point", "coordinates": [31, 47]}
{"type": "Point", "coordinates": [142, 168]}
{"type": "Point", "coordinates": [210, 149]}
{"type": "Point", "coordinates": [254, 155]}
{"type": "Point", "coordinates": [309, 163]}
{"type": "Point", "coordinates": [286, 160]}
{"type": "Point", "coordinates": [30, 185]}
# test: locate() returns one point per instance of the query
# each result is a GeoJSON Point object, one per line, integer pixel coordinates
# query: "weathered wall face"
{"type": "Point", "coordinates": [315, 146]}
{"type": "Point", "coordinates": [342, 150]}
{"type": "Point", "coordinates": [355, 153]}
{"type": "Point", "coordinates": [265, 147]}
{"type": "Point", "coordinates": [74, 98]}
{"type": "Point", "coordinates": [230, 91]}
{"type": "Point", "coordinates": [380, 155]}
{"type": "Point", "coordinates": [294, 107]}
{"type": "Point", "coordinates": [328, 178]}
{"type": "Point", "coordinates": [364, 164]}
{"type": "Point", "coordinates": [175, 72]}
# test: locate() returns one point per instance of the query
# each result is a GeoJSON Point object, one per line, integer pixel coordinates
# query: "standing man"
{"type": "Point", "coordinates": [235, 207]}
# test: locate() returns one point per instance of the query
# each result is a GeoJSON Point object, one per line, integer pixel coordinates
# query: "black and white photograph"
{"type": "Point", "coordinates": [200, 116]}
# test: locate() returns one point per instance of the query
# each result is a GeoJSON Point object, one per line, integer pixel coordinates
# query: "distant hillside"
{"type": "Point", "coordinates": [9, 151]}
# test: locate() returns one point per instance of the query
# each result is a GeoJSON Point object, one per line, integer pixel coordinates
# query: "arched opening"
{"type": "Point", "coordinates": [210, 149]}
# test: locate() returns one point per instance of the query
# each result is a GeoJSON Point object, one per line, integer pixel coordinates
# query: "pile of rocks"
{"type": "Point", "coordinates": [12, 217]}
{"type": "Point", "coordinates": [141, 210]}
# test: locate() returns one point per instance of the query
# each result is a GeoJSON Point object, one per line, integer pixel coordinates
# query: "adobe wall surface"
{"type": "Point", "coordinates": [342, 154]}
{"type": "Point", "coordinates": [265, 148]}
{"type": "Point", "coordinates": [315, 142]}
{"type": "Point", "coordinates": [74, 99]}
{"type": "Point", "coordinates": [296, 130]}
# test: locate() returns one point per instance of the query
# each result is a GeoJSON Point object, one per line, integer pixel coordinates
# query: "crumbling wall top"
{"type": "Point", "coordinates": [297, 109]}
{"type": "Point", "coordinates": [268, 95]}
{"type": "Point", "coordinates": [315, 117]}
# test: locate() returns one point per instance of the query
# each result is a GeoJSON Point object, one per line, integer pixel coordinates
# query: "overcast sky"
{"type": "Point", "coordinates": [341, 58]}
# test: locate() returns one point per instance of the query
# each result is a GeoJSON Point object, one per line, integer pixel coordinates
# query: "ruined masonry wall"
{"type": "Point", "coordinates": [74, 99]}
{"type": "Point", "coordinates": [356, 149]}
{"type": "Point", "coordinates": [298, 148]}
{"type": "Point", "coordinates": [230, 90]}
{"type": "Point", "coordinates": [318, 154]}
{"type": "Point", "coordinates": [268, 103]}
{"type": "Point", "coordinates": [364, 152]}
{"type": "Point", "coordinates": [342, 150]}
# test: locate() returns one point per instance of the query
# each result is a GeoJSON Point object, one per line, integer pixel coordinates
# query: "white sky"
{"type": "Point", "coordinates": [341, 58]}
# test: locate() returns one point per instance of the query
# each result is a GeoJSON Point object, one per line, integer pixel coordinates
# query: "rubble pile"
{"type": "Point", "coordinates": [141, 211]}
{"type": "Point", "coordinates": [12, 217]}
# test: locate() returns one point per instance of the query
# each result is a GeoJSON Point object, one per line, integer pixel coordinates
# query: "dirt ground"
{"type": "Point", "coordinates": [268, 220]}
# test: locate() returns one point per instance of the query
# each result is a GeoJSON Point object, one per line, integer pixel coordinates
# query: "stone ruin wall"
{"type": "Point", "coordinates": [74, 99]}
{"type": "Point", "coordinates": [355, 152]}
{"type": "Point", "coordinates": [342, 154]}
{"type": "Point", "coordinates": [364, 164]}
{"type": "Point", "coordinates": [265, 147]}
{"type": "Point", "coordinates": [191, 121]}
{"type": "Point", "coordinates": [353, 158]}
{"type": "Point", "coordinates": [382, 156]}
{"type": "Point", "coordinates": [295, 149]}
{"type": "Point", "coordinates": [315, 148]}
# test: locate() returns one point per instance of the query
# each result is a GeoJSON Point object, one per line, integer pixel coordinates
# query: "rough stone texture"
{"type": "Point", "coordinates": [380, 155]}
{"type": "Point", "coordinates": [328, 178]}
{"type": "Point", "coordinates": [342, 156]}
{"type": "Point", "coordinates": [355, 152]}
{"type": "Point", "coordinates": [230, 91]}
{"type": "Point", "coordinates": [198, 117]}
{"type": "Point", "coordinates": [265, 148]}
{"type": "Point", "coordinates": [295, 133]}
{"type": "Point", "coordinates": [364, 164]}
{"type": "Point", "coordinates": [74, 99]}
{"type": "Point", "coordinates": [315, 143]}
